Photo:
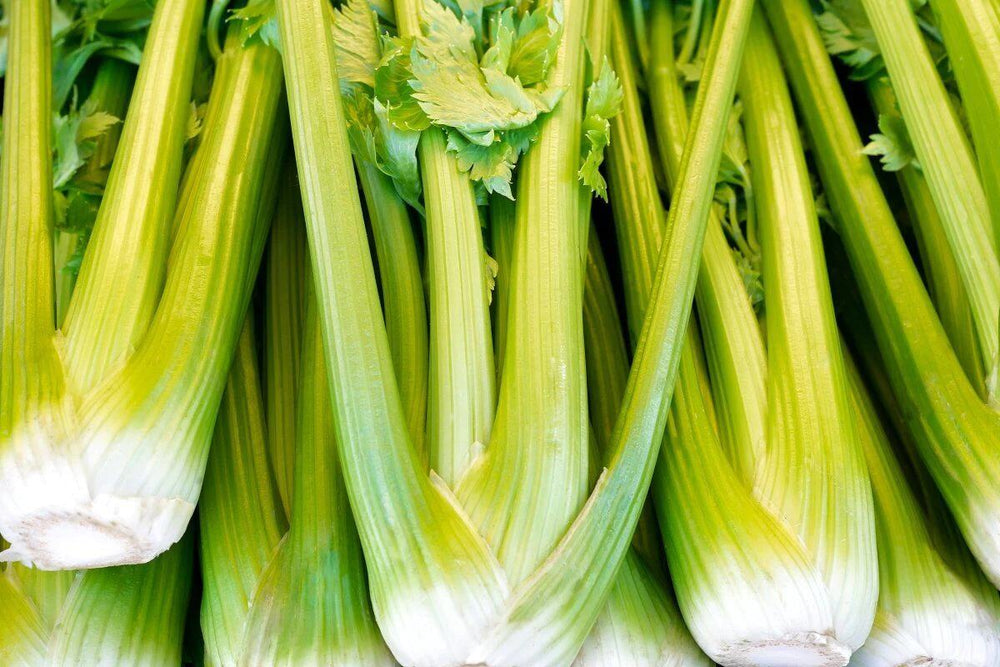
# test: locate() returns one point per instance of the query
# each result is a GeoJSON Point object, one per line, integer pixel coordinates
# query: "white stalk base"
{"type": "Point", "coordinates": [810, 649]}
{"type": "Point", "coordinates": [105, 531]}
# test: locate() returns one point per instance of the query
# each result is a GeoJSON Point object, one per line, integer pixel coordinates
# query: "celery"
{"type": "Point", "coordinates": [122, 496]}
{"type": "Point", "coordinates": [641, 623]}
{"type": "Point", "coordinates": [287, 273]}
{"type": "Point", "coordinates": [971, 31]}
{"type": "Point", "coordinates": [948, 163]}
{"type": "Point", "coordinates": [461, 387]}
{"type": "Point", "coordinates": [729, 562]}
{"type": "Point", "coordinates": [944, 281]}
{"type": "Point", "coordinates": [106, 104]}
{"type": "Point", "coordinates": [956, 433]}
{"type": "Point", "coordinates": [402, 294]}
{"type": "Point", "coordinates": [927, 610]}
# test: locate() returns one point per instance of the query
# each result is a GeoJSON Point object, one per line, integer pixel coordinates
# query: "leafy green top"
{"type": "Point", "coordinates": [486, 91]}
{"type": "Point", "coordinates": [604, 101]}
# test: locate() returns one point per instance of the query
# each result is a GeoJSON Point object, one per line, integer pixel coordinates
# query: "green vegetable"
{"type": "Point", "coordinates": [83, 160]}
{"type": "Point", "coordinates": [929, 608]}
{"type": "Point", "coordinates": [131, 372]}
{"type": "Point", "coordinates": [412, 531]}
{"type": "Point", "coordinates": [951, 174]}
{"type": "Point", "coordinates": [971, 31]}
{"type": "Point", "coordinates": [756, 543]}
{"type": "Point", "coordinates": [954, 431]}
{"type": "Point", "coordinates": [944, 281]}
{"type": "Point", "coordinates": [640, 623]}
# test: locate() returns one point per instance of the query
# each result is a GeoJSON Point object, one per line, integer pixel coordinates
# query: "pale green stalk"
{"type": "Point", "coordinates": [956, 433]}
{"type": "Point", "coordinates": [948, 164]}
{"type": "Point", "coordinates": [733, 342]}
{"type": "Point", "coordinates": [287, 273]}
{"type": "Point", "coordinates": [421, 551]}
{"type": "Point", "coordinates": [241, 518]}
{"type": "Point", "coordinates": [944, 281]}
{"type": "Point", "coordinates": [721, 578]}
{"type": "Point", "coordinates": [971, 31]}
{"type": "Point", "coordinates": [402, 294]}
{"type": "Point", "coordinates": [311, 604]}
{"type": "Point", "coordinates": [132, 615]}
{"type": "Point", "coordinates": [640, 623]}
{"type": "Point", "coordinates": [111, 91]}
{"type": "Point", "coordinates": [813, 475]}
{"type": "Point", "coordinates": [113, 493]}
{"type": "Point", "coordinates": [602, 532]}
{"type": "Point", "coordinates": [462, 383]}
{"type": "Point", "coordinates": [527, 487]}
{"type": "Point", "coordinates": [927, 612]}
{"type": "Point", "coordinates": [435, 586]}
{"type": "Point", "coordinates": [123, 272]}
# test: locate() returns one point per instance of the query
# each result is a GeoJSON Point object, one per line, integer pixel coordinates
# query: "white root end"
{"type": "Point", "coordinates": [105, 531]}
{"type": "Point", "coordinates": [810, 649]}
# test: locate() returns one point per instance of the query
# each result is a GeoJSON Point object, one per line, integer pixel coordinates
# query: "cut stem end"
{"type": "Point", "coordinates": [105, 531]}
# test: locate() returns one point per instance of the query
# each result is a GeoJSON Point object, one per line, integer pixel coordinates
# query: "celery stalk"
{"type": "Point", "coordinates": [462, 383]}
{"type": "Point", "coordinates": [956, 433]}
{"type": "Point", "coordinates": [311, 603]}
{"type": "Point", "coordinates": [927, 611]}
{"type": "Point", "coordinates": [241, 519]}
{"type": "Point", "coordinates": [944, 281]}
{"type": "Point", "coordinates": [131, 239]}
{"type": "Point", "coordinates": [527, 487]}
{"type": "Point", "coordinates": [948, 164]}
{"type": "Point", "coordinates": [402, 294]}
{"type": "Point", "coordinates": [810, 427]}
{"type": "Point", "coordinates": [641, 623]}
{"type": "Point", "coordinates": [110, 94]}
{"type": "Point", "coordinates": [772, 561]}
{"type": "Point", "coordinates": [287, 273]}
{"type": "Point", "coordinates": [971, 31]}
{"type": "Point", "coordinates": [733, 342]}
{"type": "Point", "coordinates": [502, 247]}
{"type": "Point", "coordinates": [412, 531]}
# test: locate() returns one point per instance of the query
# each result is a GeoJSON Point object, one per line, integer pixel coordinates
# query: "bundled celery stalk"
{"type": "Point", "coordinates": [640, 624]}
{"type": "Point", "coordinates": [955, 432]}
{"type": "Point", "coordinates": [930, 608]}
{"type": "Point", "coordinates": [952, 176]}
{"type": "Point", "coordinates": [132, 615]}
{"type": "Point", "coordinates": [756, 578]}
{"type": "Point", "coordinates": [87, 141]}
{"type": "Point", "coordinates": [86, 478]}
{"type": "Point", "coordinates": [423, 552]}
{"type": "Point", "coordinates": [941, 274]}
{"type": "Point", "coordinates": [301, 597]}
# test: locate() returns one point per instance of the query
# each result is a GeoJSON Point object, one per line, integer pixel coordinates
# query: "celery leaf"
{"type": "Point", "coordinates": [374, 136]}
{"type": "Point", "coordinates": [604, 101]}
{"type": "Point", "coordinates": [487, 104]}
{"type": "Point", "coordinates": [355, 32]}
{"type": "Point", "coordinates": [258, 22]}
{"type": "Point", "coordinates": [892, 145]}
